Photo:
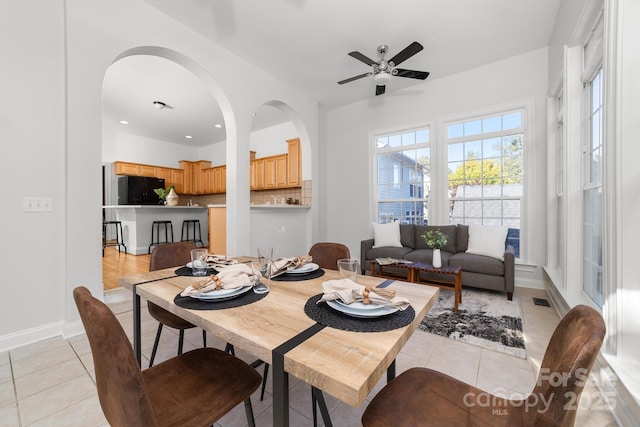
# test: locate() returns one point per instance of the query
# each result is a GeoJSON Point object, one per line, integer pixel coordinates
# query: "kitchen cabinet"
{"type": "Point", "coordinates": [218, 230]}
{"type": "Point", "coordinates": [134, 169]}
{"type": "Point", "coordinates": [257, 174]}
{"type": "Point", "coordinates": [294, 163]}
{"type": "Point", "coordinates": [219, 179]}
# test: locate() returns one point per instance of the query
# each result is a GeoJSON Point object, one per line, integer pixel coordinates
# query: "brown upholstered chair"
{"type": "Point", "coordinates": [194, 389]}
{"type": "Point", "coordinates": [421, 396]}
{"type": "Point", "coordinates": [165, 256]}
{"type": "Point", "coordinates": [327, 254]}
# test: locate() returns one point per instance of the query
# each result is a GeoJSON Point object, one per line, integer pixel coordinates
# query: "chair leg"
{"type": "Point", "coordinates": [229, 349]}
{"type": "Point", "coordinates": [249, 410]}
{"type": "Point", "coordinates": [318, 397]}
{"type": "Point", "coordinates": [204, 338]}
{"type": "Point", "coordinates": [180, 341]}
{"type": "Point", "coordinates": [264, 381]}
{"type": "Point", "coordinates": [155, 345]}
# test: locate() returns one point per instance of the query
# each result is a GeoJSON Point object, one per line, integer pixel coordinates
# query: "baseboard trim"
{"type": "Point", "coordinates": [30, 336]}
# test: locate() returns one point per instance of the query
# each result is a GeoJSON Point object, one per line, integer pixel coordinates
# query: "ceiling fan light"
{"type": "Point", "coordinates": [382, 78]}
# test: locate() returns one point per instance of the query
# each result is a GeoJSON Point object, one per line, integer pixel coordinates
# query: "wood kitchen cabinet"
{"type": "Point", "coordinates": [257, 174]}
{"type": "Point", "coordinates": [134, 169]}
{"type": "Point", "coordinates": [294, 163]}
{"type": "Point", "coordinates": [219, 179]}
{"type": "Point", "coordinates": [218, 230]}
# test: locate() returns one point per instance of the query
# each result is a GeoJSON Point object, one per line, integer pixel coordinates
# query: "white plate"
{"type": "Point", "coordinates": [222, 294]}
{"type": "Point", "coordinates": [307, 268]}
{"type": "Point", "coordinates": [357, 312]}
{"type": "Point", "coordinates": [358, 305]}
{"type": "Point", "coordinates": [209, 266]}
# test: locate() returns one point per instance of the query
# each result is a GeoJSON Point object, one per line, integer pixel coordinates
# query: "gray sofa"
{"type": "Point", "coordinates": [478, 271]}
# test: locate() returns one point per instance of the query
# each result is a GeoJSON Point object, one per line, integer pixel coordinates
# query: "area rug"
{"type": "Point", "coordinates": [484, 319]}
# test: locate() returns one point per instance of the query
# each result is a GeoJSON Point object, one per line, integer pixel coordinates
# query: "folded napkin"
{"type": "Point", "coordinates": [282, 265]}
{"type": "Point", "coordinates": [231, 277]}
{"type": "Point", "coordinates": [348, 291]}
{"type": "Point", "coordinates": [219, 261]}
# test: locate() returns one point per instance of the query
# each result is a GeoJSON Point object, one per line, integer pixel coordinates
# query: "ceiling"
{"type": "Point", "coordinates": [305, 44]}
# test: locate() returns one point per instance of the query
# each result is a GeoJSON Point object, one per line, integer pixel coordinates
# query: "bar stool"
{"type": "Point", "coordinates": [155, 233]}
{"type": "Point", "coordinates": [189, 225]}
{"type": "Point", "coordinates": [119, 236]}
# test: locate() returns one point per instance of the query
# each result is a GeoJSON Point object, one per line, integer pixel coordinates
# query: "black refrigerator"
{"type": "Point", "coordinates": [138, 190]}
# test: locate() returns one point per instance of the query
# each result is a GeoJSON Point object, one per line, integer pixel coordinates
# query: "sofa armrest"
{"type": "Point", "coordinates": [509, 269]}
{"type": "Point", "coordinates": [365, 246]}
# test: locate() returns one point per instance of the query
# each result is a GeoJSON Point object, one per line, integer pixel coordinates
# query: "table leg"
{"type": "Point", "coordinates": [137, 339]}
{"type": "Point", "coordinates": [280, 393]}
{"type": "Point", "coordinates": [391, 371]}
{"type": "Point", "coordinates": [457, 294]}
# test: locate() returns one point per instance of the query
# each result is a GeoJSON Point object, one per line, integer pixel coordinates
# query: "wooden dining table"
{"type": "Point", "coordinates": [276, 330]}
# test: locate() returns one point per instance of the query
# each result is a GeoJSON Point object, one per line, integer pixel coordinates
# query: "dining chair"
{"type": "Point", "coordinates": [196, 388]}
{"type": "Point", "coordinates": [326, 255]}
{"type": "Point", "coordinates": [421, 396]}
{"type": "Point", "coordinates": [165, 256]}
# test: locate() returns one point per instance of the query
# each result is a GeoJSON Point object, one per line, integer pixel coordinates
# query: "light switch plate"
{"type": "Point", "coordinates": [37, 204]}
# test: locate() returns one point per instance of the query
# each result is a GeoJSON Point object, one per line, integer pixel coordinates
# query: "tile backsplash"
{"type": "Point", "coordinates": [303, 195]}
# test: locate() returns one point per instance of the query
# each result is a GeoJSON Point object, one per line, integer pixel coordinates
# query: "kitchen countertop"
{"type": "Point", "coordinates": [280, 206]}
{"type": "Point", "coordinates": [151, 207]}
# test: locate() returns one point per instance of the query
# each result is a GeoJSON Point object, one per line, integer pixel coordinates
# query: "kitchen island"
{"type": "Point", "coordinates": [137, 219]}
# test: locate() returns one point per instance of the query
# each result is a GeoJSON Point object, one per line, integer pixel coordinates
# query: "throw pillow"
{"type": "Point", "coordinates": [487, 240]}
{"type": "Point", "coordinates": [386, 235]}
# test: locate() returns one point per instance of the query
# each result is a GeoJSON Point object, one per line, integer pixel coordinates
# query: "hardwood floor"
{"type": "Point", "coordinates": [117, 264]}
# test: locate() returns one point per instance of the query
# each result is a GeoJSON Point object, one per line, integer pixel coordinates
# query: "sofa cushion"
{"type": "Point", "coordinates": [426, 255]}
{"type": "Point", "coordinates": [407, 235]}
{"type": "Point", "coordinates": [386, 234]}
{"type": "Point", "coordinates": [462, 238]}
{"type": "Point", "coordinates": [447, 230]}
{"type": "Point", "coordinates": [487, 240]}
{"type": "Point", "coordinates": [477, 263]}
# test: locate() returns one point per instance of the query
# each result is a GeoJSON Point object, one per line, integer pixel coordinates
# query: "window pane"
{"type": "Point", "coordinates": [491, 147]}
{"type": "Point", "coordinates": [456, 152]}
{"type": "Point", "coordinates": [422, 136]}
{"type": "Point", "coordinates": [455, 131]}
{"type": "Point", "coordinates": [512, 121]}
{"type": "Point", "coordinates": [491, 124]}
{"type": "Point", "coordinates": [472, 128]}
{"type": "Point", "coordinates": [409, 138]}
{"type": "Point", "coordinates": [395, 140]}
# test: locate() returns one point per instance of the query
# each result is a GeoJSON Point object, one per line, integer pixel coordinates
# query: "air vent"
{"type": "Point", "coordinates": [541, 301]}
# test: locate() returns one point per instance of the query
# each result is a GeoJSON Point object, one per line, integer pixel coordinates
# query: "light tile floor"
{"type": "Point", "coordinates": [51, 383]}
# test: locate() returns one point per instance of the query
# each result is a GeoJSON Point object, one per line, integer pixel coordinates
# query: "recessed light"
{"type": "Point", "coordinates": [188, 136]}
{"type": "Point", "coordinates": [218, 125]}
{"type": "Point", "coordinates": [124, 122]}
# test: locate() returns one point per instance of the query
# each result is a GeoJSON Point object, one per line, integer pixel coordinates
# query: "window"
{"type": "Point", "coordinates": [403, 177]}
{"type": "Point", "coordinates": [485, 171]}
{"type": "Point", "coordinates": [561, 200]}
{"type": "Point", "coordinates": [592, 203]}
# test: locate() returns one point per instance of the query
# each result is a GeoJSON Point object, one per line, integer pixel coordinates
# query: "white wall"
{"type": "Point", "coordinates": [51, 136]}
{"type": "Point", "coordinates": [139, 149]}
{"type": "Point", "coordinates": [32, 139]}
{"type": "Point", "coordinates": [348, 202]}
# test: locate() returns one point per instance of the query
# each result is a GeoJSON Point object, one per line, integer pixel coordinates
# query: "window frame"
{"type": "Point", "coordinates": [374, 151]}
{"type": "Point", "coordinates": [528, 124]}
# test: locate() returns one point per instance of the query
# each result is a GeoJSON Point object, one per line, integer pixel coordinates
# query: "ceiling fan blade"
{"type": "Point", "coordinates": [360, 57]}
{"type": "Point", "coordinates": [412, 74]}
{"type": "Point", "coordinates": [406, 53]}
{"type": "Point", "coordinates": [380, 89]}
{"type": "Point", "coordinates": [341, 82]}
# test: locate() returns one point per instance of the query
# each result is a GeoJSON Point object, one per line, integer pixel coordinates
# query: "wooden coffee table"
{"type": "Point", "coordinates": [413, 275]}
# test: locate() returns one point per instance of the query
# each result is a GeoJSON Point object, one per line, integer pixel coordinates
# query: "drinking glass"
{"type": "Point", "coordinates": [199, 262]}
{"type": "Point", "coordinates": [348, 268]}
{"type": "Point", "coordinates": [265, 253]}
{"type": "Point", "coordinates": [261, 269]}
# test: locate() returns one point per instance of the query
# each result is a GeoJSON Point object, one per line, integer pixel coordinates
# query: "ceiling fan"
{"type": "Point", "coordinates": [383, 69]}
